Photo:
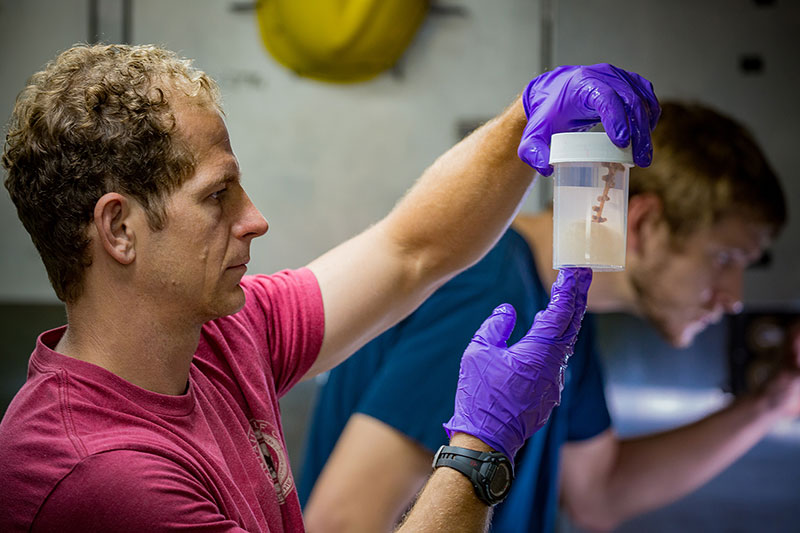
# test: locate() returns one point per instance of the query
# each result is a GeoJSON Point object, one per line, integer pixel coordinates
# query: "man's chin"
{"type": "Point", "coordinates": [231, 304]}
{"type": "Point", "coordinates": [682, 341]}
{"type": "Point", "coordinates": [684, 337]}
{"type": "Point", "coordinates": [677, 335]}
{"type": "Point", "coordinates": [237, 301]}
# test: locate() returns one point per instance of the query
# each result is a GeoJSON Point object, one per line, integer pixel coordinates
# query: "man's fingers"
{"type": "Point", "coordinates": [584, 281]}
{"type": "Point", "coordinates": [551, 324]}
{"type": "Point", "coordinates": [645, 87]}
{"type": "Point", "coordinates": [611, 109]}
{"type": "Point", "coordinates": [496, 329]}
{"type": "Point", "coordinates": [535, 150]}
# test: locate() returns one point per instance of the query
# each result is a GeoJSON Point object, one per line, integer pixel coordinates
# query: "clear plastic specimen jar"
{"type": "Point", "coordinates": [590, 201]}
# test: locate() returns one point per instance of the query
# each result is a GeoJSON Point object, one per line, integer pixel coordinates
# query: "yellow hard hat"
{"type": "Point", "coordinates": [339, 40]}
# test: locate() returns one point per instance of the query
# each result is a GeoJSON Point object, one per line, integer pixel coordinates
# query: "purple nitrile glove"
{"type": "Point", "coordinates": [575, 98]}
{"type": "Point", "coordinates": [505, 394]}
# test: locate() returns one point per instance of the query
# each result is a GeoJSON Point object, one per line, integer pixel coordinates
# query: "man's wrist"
{"type": "Point", "coordinates": [762, 408]}
{"type": "Point", "coordinates": [465, 440]}
{"type": "Point", "coordinates": [490, 473]}
{"type": "Point", "coordinates": [769, 404]}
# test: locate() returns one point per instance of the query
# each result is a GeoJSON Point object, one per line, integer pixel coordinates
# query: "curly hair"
{"type": "Point", "coordinates": [706, 167]}
{"type": "Point", "coordinates": [97, 119]}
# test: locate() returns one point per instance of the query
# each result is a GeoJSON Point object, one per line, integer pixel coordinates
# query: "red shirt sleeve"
{"type": "Point", "coordinates": [285, 310]}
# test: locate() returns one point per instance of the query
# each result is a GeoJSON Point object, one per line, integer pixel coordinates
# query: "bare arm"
{"type": "Point", "coordinates": [447, 221]}
{"type": "Point", "coordinates": [606, 480]}
{"type": "Point", "coordinates": [369, 481]}
{"type": "Point", "coordinates": [466, 199]}
{"type": "Point", "coordinates": [448, 501]}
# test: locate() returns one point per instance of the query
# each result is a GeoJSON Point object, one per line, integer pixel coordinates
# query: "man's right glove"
{"type": "Point", "coordinates": [575, 98]}
{"type": "Point", "coordinates": [505, 394]}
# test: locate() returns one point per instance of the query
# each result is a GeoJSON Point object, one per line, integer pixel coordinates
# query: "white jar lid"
{"type": "Point", "coordinates": [589, 147]}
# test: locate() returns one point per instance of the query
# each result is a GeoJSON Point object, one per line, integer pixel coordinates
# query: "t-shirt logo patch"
{"type": "Point", "coordinates": [266, 442]}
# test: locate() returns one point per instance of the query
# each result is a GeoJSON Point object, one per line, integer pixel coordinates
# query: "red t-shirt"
{"type": "Point", "coordinates": [81, 449]}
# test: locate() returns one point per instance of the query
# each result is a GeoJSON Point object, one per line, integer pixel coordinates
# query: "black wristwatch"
{"type": "Point", "coordinates": [490, 472]}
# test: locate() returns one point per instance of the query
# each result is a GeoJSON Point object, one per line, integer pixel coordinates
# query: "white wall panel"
{"type": "Point", "coordinates": [31, 33]}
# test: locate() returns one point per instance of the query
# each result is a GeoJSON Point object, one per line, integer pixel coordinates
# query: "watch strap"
{"type": "Point", "coordinates": [472, 464]}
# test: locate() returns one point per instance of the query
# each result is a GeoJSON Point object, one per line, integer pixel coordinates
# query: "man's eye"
{"type": "Point", "coordinates": [734, 258]}
{"type": "Point", "coordinates": [723, 258]}
{"type": "Point", "coordinates": [216, 195]}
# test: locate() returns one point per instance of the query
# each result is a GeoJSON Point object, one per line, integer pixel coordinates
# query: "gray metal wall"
{"type": "Point", "coordinates": [695, 50]}
{"type": "Point", "coordinates": [321, 161]}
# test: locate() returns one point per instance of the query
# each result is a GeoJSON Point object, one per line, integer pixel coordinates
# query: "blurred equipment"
{"type": "Point", "coordinates": [341, 41]}
{"type": "Point", "coordinates": [758, 345]}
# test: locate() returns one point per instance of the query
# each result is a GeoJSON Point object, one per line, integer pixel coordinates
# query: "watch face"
{"type": "Point", "coordinates": [501, 481]}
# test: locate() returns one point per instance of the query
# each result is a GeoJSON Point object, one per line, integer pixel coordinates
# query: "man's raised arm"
{"type": "Point", "coordinates": [467, 198]}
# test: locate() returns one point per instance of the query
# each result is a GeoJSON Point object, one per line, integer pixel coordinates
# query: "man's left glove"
{"type": "Point", "coordinates": [506, 393]}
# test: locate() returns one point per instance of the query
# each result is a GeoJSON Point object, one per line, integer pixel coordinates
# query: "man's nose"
{"type": "Point", "coordinates": [252, 223]}
{"type": "Point", "coordinates": [728, 293]}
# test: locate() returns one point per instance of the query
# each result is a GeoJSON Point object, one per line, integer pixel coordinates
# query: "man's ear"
{"type": "Point", "coordinates": [112, 221]}
{"type": "Point", "coordinates": [645, 215]}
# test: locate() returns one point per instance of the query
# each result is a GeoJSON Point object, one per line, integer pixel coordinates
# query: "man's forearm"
{"type": "Point", "coordinates": [655, 470]}
{"type": "Point", "coordinates": [447, 221]}
{"type": "Point", "coordinates": [463, 202]}
{"type": "Point", "coordinates": [448, 501]}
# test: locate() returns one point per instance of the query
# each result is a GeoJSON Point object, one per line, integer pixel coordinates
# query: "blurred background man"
{"type": "Point", "coordinates": [705, 210]}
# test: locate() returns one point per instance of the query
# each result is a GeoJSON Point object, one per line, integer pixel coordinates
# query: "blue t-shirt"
{"type": "Point", "coordinates": [407, 378]}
